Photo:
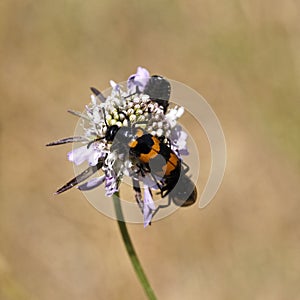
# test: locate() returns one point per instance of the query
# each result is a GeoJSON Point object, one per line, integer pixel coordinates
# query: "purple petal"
{"type": "Point", "coordinates": [110, 186]}
{"type": "Point", "coordinates": [94, 157]}
{"type": "Point", "coordinates": [184, 152]}
{"type": "Point", "coordinates": [114, 86]}
{"type": "Point", "coordinates": [91, 184]}
{"type": "Point", "coordinates": [149, 206]}
{"type": "Point", "coordinates": [178, 138]}
{"type": "Point", "coordinates": [139, 79]}
{"type": "Point", "coordinates": [175, 132]}
{"type": "Point", "coordinates": [149, 181]}
{"type": "Point", "coordinates": [79, 155]}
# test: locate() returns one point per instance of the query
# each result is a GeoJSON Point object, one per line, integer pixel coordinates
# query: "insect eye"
{"type": "Point", "coordinates": [111, 133]}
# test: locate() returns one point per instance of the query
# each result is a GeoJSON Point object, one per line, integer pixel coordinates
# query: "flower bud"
{"type": "Point", "coordinates": [130, 111]}
{"type": "Point", "coordinates": [116, 116]}
{"type": "Point", "coordinates": [108, 118]}
{"type": "Point", "coordinates": [139, 112]}
{"type": "Point", "coordinates": [141, 118]}
{"type": "Point", "coordinates": [112, 122]}
{"type": "Point", "coordinates": [159, 132]}
{"type": "Point", "coordinates": [132, 118]}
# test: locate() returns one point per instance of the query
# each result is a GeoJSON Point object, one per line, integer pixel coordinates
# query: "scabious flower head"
{"type": "Point", "coordinates": [125, 106]}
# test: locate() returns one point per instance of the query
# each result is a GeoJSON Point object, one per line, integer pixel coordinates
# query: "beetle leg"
{"type": "Point", "coordinates": [161, 206]}
{"type": "Point", "coordinates": [186, 169]}
{"type": "Point", "coordinates": [138, 194]}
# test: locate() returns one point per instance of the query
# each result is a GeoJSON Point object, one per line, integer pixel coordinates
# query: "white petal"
{"type": "Point", "coordinates": [112, 84]}
{"type": "Point", "coordinates": [180, 112]}
{"type": "Point", "coordinates": [182, 137]}
{"type": "Point", "coordinates": [149, 206]}
{"type": "Point", "coordinates": [94, 157]}
{"type": "Point", "coordinates": [79, 155]}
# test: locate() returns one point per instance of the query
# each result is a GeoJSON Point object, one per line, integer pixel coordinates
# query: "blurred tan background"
{"type": "Point", "coordinates": [243, 57]}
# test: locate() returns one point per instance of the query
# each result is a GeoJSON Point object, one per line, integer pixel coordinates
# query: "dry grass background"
{"type": "Point", "coordinates": [243, 57]}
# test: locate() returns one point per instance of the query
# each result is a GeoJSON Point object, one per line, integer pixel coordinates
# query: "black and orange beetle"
{"type": "Point", "coordinates": [152, 155]}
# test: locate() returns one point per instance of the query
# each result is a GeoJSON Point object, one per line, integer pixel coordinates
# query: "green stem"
{"type": "Point", "coordinates": [130, 249]}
